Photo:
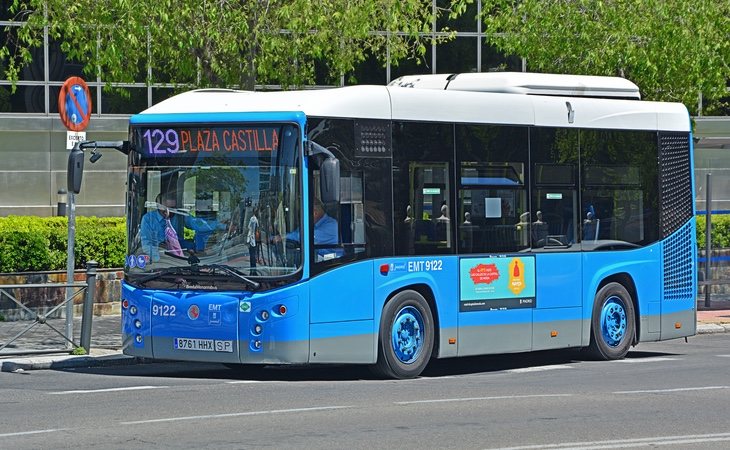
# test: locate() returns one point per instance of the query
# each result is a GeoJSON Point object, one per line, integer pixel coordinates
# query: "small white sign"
{"type": "Point", "coordinates": [493, 208]}
{"type": "Point", "coordinates": [72, 137]}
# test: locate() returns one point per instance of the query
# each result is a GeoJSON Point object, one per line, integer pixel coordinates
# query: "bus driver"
{"type": "Point", "coordinates": [160, 227]}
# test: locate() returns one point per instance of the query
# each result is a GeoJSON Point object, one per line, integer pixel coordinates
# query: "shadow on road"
{"type": "Point", "coordinates": [293, 373]}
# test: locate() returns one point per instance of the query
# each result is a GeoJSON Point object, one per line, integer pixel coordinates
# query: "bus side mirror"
{"type": "Point", "coordinates": [75, 170]}
{"type": "Point", "coordinates": [329, 180]}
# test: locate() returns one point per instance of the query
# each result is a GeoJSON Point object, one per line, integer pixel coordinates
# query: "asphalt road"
{"type": "Point", "coordinates": [670, 395]}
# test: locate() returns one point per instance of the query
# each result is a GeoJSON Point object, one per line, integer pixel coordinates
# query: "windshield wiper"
{"type": "Point", "coordinates": [198, 270]}
{"type": "Point", "coordinates": [233, 272]}
{"type": "Point", "coordinates": [177, 270]}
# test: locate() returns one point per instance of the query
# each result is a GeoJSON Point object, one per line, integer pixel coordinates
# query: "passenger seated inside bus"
{"type": "Point", "coordinates": [540, 231]}
{"type": "Point", "coordinates": [590, 227]}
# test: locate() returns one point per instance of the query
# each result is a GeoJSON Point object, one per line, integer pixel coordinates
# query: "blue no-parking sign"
{"type": "Point", "coordinates": [74, 104]}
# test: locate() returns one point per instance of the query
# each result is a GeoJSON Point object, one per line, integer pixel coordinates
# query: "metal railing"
{"type": "Point", "coordinates": [73, 290]}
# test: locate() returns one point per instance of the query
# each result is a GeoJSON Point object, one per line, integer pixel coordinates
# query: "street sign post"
{"type": "Point", "coordinates": [74, 107]}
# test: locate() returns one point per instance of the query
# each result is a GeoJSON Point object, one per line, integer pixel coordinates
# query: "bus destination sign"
{"type": "Point", "coordinates": [205, 141]}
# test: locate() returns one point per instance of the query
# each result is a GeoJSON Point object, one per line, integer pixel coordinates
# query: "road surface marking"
{"type": "Point", "coordinates": [25, 433]}
{"type": "Point", "coordinates": [643, 360]}
{"type": "Point", "coordinates": [94, 391]}
{"type": "Point", "coordinates": [241, 414]}
{"type": "Point", "coordinates": [539, 369]}
{"type": "Point", "coordinates": [471, 399]}
{"type": "Point", "coordinates": [628, 443]}
{"type": "Point", "coordinates": [660, 391]}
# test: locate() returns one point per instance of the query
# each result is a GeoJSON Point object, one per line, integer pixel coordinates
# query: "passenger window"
{"type": "Point", "coordinates": [619, 195]}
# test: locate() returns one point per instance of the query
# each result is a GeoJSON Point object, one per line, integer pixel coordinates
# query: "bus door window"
{"type": "Point", "coordinates": [555, 204]}
{"type": "Point", "coordinates": [430, 194]}
{"type": "Point", "coordinates": [423, 192]}
{"type": "Point", "coordinates": [492, 197]}
{"type": "Point", "coordinates": [554, 200]}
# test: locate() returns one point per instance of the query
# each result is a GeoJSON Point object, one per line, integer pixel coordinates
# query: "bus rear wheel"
{"type": "Point", "coordinates": [406, 336]}
{"type": "Point", "coordinates": [613, 323]}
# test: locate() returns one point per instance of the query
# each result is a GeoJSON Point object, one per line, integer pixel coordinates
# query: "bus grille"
{"type": "Point", "coordinates": [676, 181]}
{"type": "Point", "coordinates": [679, 265]}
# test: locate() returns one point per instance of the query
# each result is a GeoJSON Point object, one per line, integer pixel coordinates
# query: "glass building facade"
{"type": "Point", "coordinates": [33, 140]}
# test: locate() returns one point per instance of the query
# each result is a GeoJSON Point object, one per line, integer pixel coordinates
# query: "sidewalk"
{"type": "Point", "coordinates": [43, 348]}
{"type": "Point", "coordinates": [106, 340]}
{"type": "Point", "coordinates": [716, 317]}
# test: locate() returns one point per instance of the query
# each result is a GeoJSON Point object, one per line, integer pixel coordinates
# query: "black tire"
{"type": "Point", "coordinates": [613, 323]}
{"type": "Point", "coordinates": [409, 312]}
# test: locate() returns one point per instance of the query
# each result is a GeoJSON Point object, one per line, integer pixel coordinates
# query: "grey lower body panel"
{"type": "Point", "coordinates": [685, 320]}
{"type": "Point", "coordinates": [358, 349]}
{"type": "Point", "coordinates": [568, 333]}
{"type": "Point", "coordinates": [489, 339]}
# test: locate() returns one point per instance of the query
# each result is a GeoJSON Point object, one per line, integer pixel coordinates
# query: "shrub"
{"type": "Point", "coordinates": [40, 243]}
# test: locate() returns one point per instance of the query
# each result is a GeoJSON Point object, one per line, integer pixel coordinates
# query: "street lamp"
{"type": "Point", "coordinates": [62, 198]}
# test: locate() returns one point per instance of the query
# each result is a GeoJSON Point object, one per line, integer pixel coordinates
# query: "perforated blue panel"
{"type": "Point", "coordinates": [679, 264]}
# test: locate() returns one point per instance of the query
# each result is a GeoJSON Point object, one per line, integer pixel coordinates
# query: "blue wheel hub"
{"type": "Point", "coordinates": [613, 321]}
{"type": "Point", "coordinates": [407, 334]}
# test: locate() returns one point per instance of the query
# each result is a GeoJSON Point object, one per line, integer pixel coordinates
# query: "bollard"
{"type": "Point", "coordinates": [88, 305]}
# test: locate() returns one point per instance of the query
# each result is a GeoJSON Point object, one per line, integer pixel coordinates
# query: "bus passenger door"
{"type": "Point", "coordinates": [557, 317]}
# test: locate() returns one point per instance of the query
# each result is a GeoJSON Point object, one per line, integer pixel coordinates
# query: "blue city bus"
{"type": "Point", "coordinates": [436, 217]}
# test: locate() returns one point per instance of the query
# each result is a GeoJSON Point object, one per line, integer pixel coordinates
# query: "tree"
{"type": "Point", "coordinates": [672, 49]}
{"type": "Point", "coordinates": [219, 43]}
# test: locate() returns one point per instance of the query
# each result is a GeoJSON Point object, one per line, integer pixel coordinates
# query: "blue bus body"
{"type": "Point", "coordinates": [334, 313]}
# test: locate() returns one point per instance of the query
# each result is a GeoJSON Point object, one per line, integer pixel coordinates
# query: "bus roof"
{"type": "Point", "coordinates": [526, 84]}
{"type": "Point", "coordinates": [435, 105]}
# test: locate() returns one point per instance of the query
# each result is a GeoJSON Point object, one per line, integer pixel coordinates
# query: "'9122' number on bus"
{"type": "Point", "coordinates": [163, 310]}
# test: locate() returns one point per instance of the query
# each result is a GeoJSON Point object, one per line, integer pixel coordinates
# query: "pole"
{"type": "Point", "coordinates": [70, 266]}
{"type": "Point", "coordinates": [88, 305]}
{"type": "Point", "coordinates": [708, 237]}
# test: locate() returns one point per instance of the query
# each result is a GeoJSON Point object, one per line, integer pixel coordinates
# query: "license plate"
{"type": "Point", "coordinates": [203, 345]}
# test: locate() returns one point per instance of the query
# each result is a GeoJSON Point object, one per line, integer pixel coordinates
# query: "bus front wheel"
{"type": "Point", "coordinates": [613, 323]}
{"type": "Point", "coordinates": [406, 336]}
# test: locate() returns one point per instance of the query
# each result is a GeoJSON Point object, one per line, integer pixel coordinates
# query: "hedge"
{"type": "Point", "coordinates": [720, 231]}
{"type": "Point", "coordinates": [40, 243]}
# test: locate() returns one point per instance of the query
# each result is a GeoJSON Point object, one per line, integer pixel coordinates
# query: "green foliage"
{"type": "Point", "coordinates": [720, 231]}
{"type": "Point", "coordinates": [79, 351]}
{"type": "Point", "coordinates": [220, 43]}
{"type": "Point", "coordinates": [673, 50]}
{"type": "Point", "coordinates": [40, 243]}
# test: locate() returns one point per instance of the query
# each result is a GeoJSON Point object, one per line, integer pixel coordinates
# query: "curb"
{"type": "Point", "coordinates": [68, 362]}
{"type": "Point", "coordinates": [712, 328]}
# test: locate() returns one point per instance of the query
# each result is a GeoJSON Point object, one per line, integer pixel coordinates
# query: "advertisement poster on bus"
{"type": "Point", "coordinates": [496, 283]}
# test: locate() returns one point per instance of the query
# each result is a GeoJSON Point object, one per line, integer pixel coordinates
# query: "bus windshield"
{"type": "Point", "coordinates": [209, 206]}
